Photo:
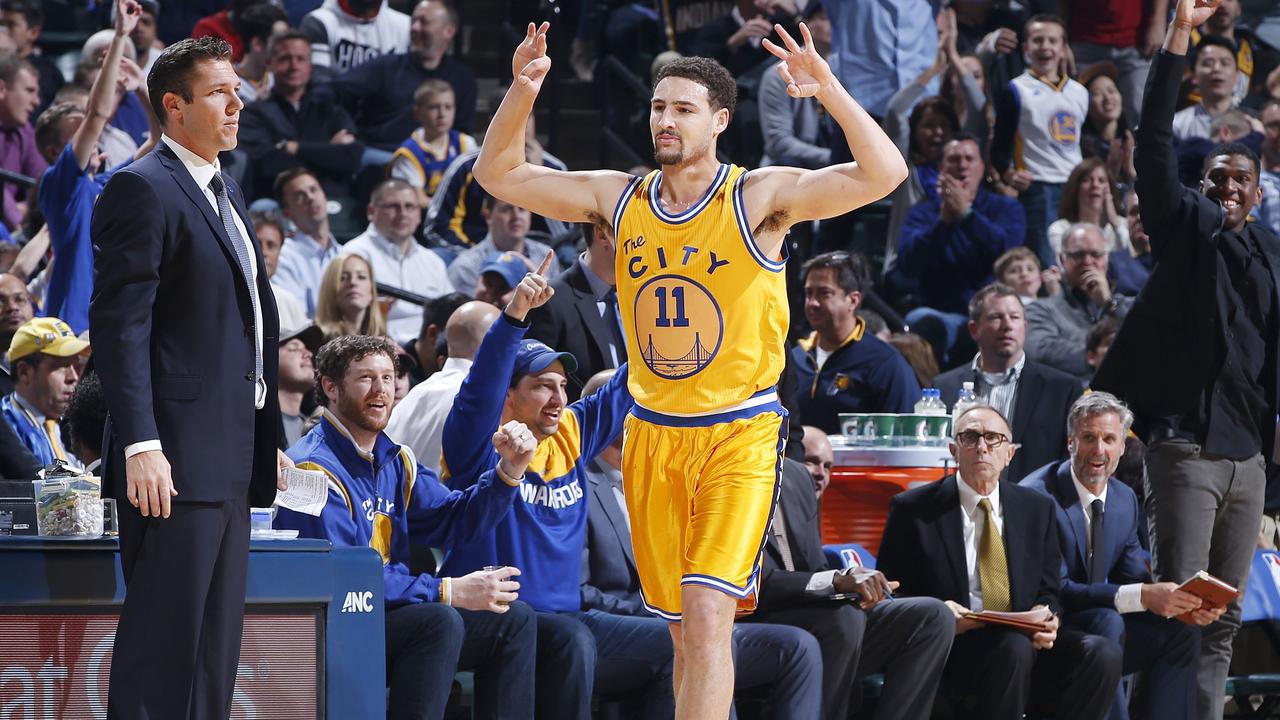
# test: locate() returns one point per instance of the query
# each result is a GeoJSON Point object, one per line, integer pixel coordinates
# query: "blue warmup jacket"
{"type": "Point", "coordinates": [545, 531]}
{"type": "Point", "coordinates": [381, 499]}
{"type": "Point", "coordinates": [25, 427]}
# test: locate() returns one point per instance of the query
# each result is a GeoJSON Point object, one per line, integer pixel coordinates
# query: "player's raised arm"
{"type": "Point", "coordinates": [836, 189]}
{"type": "Point", "coordinates": [502, 168]}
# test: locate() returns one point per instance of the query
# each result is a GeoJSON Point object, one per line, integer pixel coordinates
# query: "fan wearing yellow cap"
{"type": "Point", "coordinates": [47, 359]}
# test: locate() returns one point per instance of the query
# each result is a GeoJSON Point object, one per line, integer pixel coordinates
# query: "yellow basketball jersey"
{"type": "Point", "coordinates": [705, 313]}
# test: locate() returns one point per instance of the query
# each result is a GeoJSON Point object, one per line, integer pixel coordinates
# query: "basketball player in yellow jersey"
{"type": "Point", "coordinates": [702, 299]}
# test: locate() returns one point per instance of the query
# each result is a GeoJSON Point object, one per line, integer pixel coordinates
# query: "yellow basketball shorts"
{"type": "Point", "coordinates": [700, 494]}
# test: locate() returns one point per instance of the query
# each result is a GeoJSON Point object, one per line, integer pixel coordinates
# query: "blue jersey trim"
{"type": "Point", "coordinates": [621, 205]}
{"type": "Point", "coordinates": [723, 586]}
{"type": "Point", "coordinates": [655, 203]}
{"type": "Point", "coordinates": [748, 238]}
{"type": "Point", "coordinates": [657, 418]}
{"type": "Point", "coordinates": [668, 616]}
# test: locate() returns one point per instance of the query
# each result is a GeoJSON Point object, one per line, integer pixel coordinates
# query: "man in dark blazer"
{"type": "Point", "coordinates": [906, 639]}
{"type": "Point", "coordinates": [582, 317]}
{"type": "Point", "coordinates": [784, 658]}
{"type": "Point", "coordinates": [1106, 582]}
{"type": "Point", "coordinates": [1033, 396]}
{"type": "Point", "coordinates": [181, 313]}
{"type": "Point", "coordinates": [980, 543]}
{"type": "Point", "coordinates": [1196, 357]}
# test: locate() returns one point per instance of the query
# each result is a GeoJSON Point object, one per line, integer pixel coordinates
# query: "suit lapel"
{"type": "Point", "coordinates": [1016, 525]}
{"type": "Point", "coordinates": [1024, 400]}
{"type": "Point", "coordinates": [1064, 491]}
{"type": "Point", "coordinates": [198, 198]}
{"type": "Point", "coordinates": [951, 535]}
{"type": "Point", "coordinates": [585, 303]}
{"type": "Point", "coordinates": [604, 493]}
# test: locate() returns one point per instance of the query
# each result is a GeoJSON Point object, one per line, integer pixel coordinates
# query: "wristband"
{"type": "Point", "coordinates": [446, 591]}
{"type": "Point", "coordinates": [504, 477]}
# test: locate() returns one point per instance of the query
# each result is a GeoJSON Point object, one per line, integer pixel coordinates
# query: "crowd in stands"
{"type": "Point", "coordinates": [1009, 258]}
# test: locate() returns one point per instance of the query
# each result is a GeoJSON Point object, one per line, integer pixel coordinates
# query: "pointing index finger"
{"type": "Point", "coordinates": [545, 266]}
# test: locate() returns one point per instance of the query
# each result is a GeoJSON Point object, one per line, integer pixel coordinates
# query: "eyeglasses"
{"type": "Point", "coordinates": [969, 439]}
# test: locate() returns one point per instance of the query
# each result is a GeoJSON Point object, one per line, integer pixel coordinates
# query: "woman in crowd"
{"type": "Point", "coordinates": [346, 302]}
{"type": "Point", "coordinates": [1106, 134]}
{"type": "Point", "coordinates": [1087, 197]}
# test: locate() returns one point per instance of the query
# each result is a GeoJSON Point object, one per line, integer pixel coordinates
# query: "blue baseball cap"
{"type": "Point", "coordinates": [534, 357]}
{"type": "Point", "coordinates": [510, 266]}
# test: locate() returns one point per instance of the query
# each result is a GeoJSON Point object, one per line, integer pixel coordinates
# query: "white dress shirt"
{"type": "Point", "coordinates": [972, 523]}
{"type": "Point", "coordinates": [417, 270]}
{"type": "Point", "coordinates": [999, 390]}
{"type": "Point", "coordinates": [1128, 597]}
{"type": "Point", "coordinates": [301, 266]}
{"type": "Point", "coordinates": [202, 172]}
{"type": "Point", "coordinates": [418, 419]}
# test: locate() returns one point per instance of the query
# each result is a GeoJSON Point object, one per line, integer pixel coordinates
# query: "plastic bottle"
{"type": "Point", "coordinates": [965, 400]}
{"type": "Point", "coordinates": [930, 403]}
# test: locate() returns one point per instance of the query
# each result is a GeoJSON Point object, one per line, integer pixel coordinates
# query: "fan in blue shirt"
{"type": "Point", "coordinates": [67, 136]}
{"type": "Point", "coordinates": [514, 378]}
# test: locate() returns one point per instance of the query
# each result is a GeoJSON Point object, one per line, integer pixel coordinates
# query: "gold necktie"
{"type": "Point", "coordinates": [993, 569]}
{"type": "Point", "coordinates": [52, 431]}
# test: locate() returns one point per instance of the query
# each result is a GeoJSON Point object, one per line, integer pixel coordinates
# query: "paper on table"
{"type": "Point", "coordinates": [307, 493]}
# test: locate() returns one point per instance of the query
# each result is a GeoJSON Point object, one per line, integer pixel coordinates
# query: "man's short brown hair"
{"type": "Point", "coordinates": [722, 89]}
{"type": "Point", "coordinates": [173, 69]}
{"type": "Point", "coordinates": [335, 356]}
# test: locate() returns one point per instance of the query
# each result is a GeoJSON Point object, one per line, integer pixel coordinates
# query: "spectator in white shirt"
{"type": "Point", "coordinates": [312, 245]}
{"type": "Point", "coordinates": [397, 259]}
{"type": "Point", "coordinates": [418, 420]}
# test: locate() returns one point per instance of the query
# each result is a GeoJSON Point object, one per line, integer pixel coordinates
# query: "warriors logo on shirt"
{"type": "Point", "coordinates": [1063, 129]}
{"type": "Point", "coordinates": [678, 326]}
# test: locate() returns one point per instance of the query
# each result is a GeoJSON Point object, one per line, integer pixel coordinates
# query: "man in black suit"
{"type": "Point", "coordinates": [183, 310]}
{"type": "Point", "coordinates": [582, 317]}
{"type": "Point", "coordinates": [1196, 357]}
{"type": "Point", "coordinates": [906, 639]}
{"type": "Point", "coordinates": [1033, 396]}
{"type": "Point", "coordinates": [1106, 581]}
{"type": "Point", "coordinates": [980, 543]}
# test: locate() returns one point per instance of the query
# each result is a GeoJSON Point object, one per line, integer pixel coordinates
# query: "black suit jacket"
{"type": "Point", "coordinates": [923, 545]}
{"type": "Point", "coordinates": [570, 322]}
{"type": "Point", "coordinates": [610, 582]}
{"type": "Point", "coordinates": [780, 588]}
{"type": "Point", "coordinates": [1040, 408]}
{"type": "Point", "coordinates": [172, 326]}
{"type": "Point", "coordinates": [1171, 345]}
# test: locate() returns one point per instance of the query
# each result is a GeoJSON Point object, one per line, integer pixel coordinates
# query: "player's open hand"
{"type": "Point", "coordinates": [803, 70]}
{"type": "Point", "coordinates": [1194, 12]}
{"type": "Point", "coordinates": [533, 291]}
{"type": "Point", "coordinates": [533, 46]}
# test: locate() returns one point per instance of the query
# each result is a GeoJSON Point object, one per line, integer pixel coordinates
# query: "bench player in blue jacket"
{"type": "Point", "coordinates": [379, 497]}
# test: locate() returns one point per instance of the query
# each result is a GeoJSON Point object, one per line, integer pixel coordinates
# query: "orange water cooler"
{"type": "Point", "coordinates": [863, 481]}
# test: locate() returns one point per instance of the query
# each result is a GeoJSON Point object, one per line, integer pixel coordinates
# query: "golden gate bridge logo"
{"type": "Point", "coordinates": [692, 361]}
